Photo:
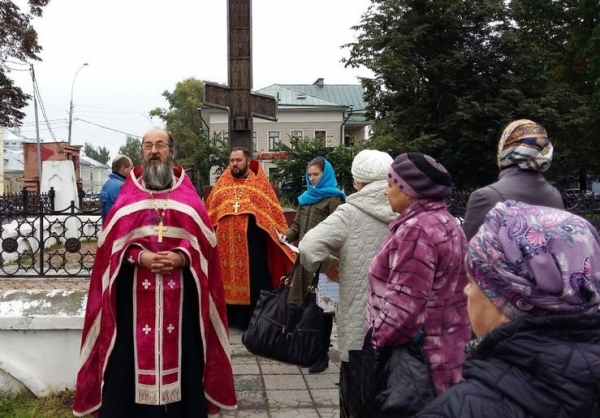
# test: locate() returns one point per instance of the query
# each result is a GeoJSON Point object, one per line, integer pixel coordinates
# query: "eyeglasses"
{"type": "Point", "coordinates": [160, 145]}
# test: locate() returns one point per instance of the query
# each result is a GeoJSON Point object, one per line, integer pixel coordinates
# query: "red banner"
{"type": "Point", "coordinates": [272, 155]}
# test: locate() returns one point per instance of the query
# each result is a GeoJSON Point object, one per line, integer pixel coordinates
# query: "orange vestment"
{"type": "Point", "coordinates": [230, 202]}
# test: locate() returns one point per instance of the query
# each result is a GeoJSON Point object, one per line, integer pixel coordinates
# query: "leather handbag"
{"type": "Point", "coordinates": [287, 332]}
{"type": "Point", "coordinates": [388, 382]}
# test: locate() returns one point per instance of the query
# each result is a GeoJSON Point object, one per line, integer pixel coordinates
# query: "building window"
{"type": "Point", "coordinates": [297, 134]}
{"type": "Point", "coordinates": [273, 139]}
{"type": "Point", "coordinates": [322, 135]}
{"type": "Point", "coordinates": [254, 141]}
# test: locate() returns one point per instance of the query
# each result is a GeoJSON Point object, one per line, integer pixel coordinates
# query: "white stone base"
{"type": "Point", "coordinates": [40, 336]}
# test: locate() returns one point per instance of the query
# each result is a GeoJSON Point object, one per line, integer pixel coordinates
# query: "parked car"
{"type": "Point", "coordinates": [580, 193]}
{"type": "Point", "coordinates": [92, 198]}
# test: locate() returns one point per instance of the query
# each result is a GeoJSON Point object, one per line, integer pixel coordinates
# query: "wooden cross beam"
{"type": "Point", "coordinates": [237, 98]}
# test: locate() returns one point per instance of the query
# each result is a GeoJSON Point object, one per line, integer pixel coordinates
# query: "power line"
{"type": "Point", "coordinates": [36, 90]}
{"type": "Point", "coordinates": [50, 120]}
{"type": "Point", "coordinates": [106, 127]}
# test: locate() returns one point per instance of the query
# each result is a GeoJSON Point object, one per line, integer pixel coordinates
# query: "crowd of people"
{"type": "Point", "coordinates": [503, 307]}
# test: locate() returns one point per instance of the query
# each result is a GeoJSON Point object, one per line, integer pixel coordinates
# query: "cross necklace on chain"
{"type": "Point", "coordinates": [161, 216]}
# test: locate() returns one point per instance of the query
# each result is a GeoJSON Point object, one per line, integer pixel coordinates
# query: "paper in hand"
{"type": "Point", "coordinates": [283, 240]}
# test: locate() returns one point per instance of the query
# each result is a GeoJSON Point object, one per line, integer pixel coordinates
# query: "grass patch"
{"type": "Point", "coordinates": [28, 406]}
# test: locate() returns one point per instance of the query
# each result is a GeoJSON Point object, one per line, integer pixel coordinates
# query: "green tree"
{"type": "Point", "coordinates": [560, 42]}
{"type": "Point", "coordinates": [100, 154]}
{"type": "Point", "coordinates": [449, 75]}
{"type": "Point", "coordinates": [193, 150]}
{"type": "Point", "coordinates": [442, 81]}
{"type": "Point", "coordinates": [209, 155]}
{"type": "Point", "coordinates": [132, 149]}
{"type": "Point", "coordinates": [291, 171]}
{"type": "Point", "coordinates": [18, 41]}
{"type": "Point", "coordinates": [182, 118]}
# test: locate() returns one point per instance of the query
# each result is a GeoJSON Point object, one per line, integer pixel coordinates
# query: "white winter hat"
{"type": "Point", "coordinates": [371, 165]}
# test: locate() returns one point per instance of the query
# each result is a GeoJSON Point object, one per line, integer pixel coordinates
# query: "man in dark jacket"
{"type": "Point", "coordinates": [121, 167]}
{"type": "Point", "coordinates": [533, 298]}
{"type": "Point", "coordinates": [524, 152]}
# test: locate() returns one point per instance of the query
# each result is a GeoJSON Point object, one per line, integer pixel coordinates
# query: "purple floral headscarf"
{"type": "Point", "coordinates": [534, 260]}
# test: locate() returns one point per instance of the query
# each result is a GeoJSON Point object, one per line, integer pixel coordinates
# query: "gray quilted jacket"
{"type": "Point", "coordinates": [354, 232]}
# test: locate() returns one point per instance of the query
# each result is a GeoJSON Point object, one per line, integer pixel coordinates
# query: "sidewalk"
{"type": "Point", "coordinates": [264, 388]}
{"type": "Point", "coordinates": [267, 388]}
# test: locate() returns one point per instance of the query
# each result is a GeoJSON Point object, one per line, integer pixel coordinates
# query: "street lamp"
{"type": "Point", "coordinates": [71, 105]}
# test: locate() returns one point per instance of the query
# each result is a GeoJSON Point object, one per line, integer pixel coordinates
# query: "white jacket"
{"type": "Point", "coordinates": [354, 233]}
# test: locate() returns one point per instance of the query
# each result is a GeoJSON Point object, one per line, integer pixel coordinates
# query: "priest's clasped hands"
{"type": "Point", "coordinates": [162, 262]}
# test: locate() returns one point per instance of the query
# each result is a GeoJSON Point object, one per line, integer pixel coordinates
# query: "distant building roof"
{"type": "Point", "coordinates": [90, 162]}
{"type": "Point", "coordinates": [13, 160]}
{"type": "Point", "coordinates": [317, 94]}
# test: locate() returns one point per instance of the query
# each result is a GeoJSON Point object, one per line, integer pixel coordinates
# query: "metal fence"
{"type": "Point", "coordinates": [586, 205]}
{"type": "Point", "coordinates": [39, 241]}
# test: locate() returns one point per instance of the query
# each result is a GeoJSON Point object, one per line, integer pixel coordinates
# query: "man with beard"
{"type": "Point", "coordinates": [155, 338]}
{"type": "Point", "coordinates": [246, 212]}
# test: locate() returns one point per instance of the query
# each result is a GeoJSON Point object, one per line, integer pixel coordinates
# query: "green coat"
{"type": "Point", "coordinates": [307, 217]}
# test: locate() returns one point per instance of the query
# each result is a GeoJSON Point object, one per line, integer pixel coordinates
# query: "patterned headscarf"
{"type": "Point", "coordinates": [534, 260]}
{"type": "Point", "coordinates": [526, 144]}
{"type": "Point", "coordinates": [325, 187]}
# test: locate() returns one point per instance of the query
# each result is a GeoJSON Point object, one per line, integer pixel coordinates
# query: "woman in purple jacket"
{"type": "Point", "coordinates": [417, 278]}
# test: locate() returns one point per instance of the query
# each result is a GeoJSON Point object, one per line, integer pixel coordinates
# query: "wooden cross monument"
{"type": "Point", "coordinates": [238, 98]}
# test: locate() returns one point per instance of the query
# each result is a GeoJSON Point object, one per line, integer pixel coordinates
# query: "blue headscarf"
{"type": "Point", "coordinates": [325, 187]}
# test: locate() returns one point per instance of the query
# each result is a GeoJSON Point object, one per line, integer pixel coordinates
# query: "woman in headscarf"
{"type": "Point", "coordinates": [417, 277]}
{"type": "Point", "coordinates": [354, 232]}
{"type": "Point", "coordinates": [320, 199]}
{"type": "Point", "coordinates": [533, 297]}
{"type": "Point", "coordinates": [524, 153]}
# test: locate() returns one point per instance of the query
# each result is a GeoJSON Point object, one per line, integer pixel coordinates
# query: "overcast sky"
{"type": "Point", "coordinates": [137, 49]}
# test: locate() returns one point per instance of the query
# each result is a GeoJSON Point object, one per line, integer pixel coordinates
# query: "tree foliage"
{"type": "Point", "coordinates": [560, 42]}
{"type": "Point", "coordinates": [182, 119]}
{"type": "Point", "coordinates": [449, 74]}
{"type": "Point", "coordinates": [193, 149]}
{"type": "Point", "coordinates": [132, 149]}
{"type": "Point", "coordinates": [100, 154]}
{"type": "Point", "coordinates": [18, 41]}
{"type": "Point", "coordinates": [209, 155]}
{"type": "Point", "coordinates": [292, 170]}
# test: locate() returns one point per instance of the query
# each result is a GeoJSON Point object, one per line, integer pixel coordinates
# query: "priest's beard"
{"type": "Point", "coordinates": [158, 176]}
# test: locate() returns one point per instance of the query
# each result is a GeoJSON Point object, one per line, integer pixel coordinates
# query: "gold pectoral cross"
{"type": "Point", "coordinates": [160, 229]}
{"type": "Point", "coordinates": [236, 206]}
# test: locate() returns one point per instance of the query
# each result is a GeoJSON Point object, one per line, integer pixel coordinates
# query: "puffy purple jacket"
{"type": "Point", "coordinates": [416, 282]}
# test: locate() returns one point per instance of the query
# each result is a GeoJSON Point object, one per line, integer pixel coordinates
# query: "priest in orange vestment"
{"type": "Point", "coordinates": [245, 210]}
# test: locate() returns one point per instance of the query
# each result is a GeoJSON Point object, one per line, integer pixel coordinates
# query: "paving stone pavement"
{"type": "Point", "coordinates": [267, 388]}
{"type": "Point", "coordinates": [264, 388]}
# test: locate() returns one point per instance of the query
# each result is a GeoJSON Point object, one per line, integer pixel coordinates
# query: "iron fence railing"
{"type": "Point", "coordinates": [38, 241]}
{"type": "Point", "coordinates": [586, 205]}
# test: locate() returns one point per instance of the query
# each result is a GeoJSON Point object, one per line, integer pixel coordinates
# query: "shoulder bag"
{"type": "Point", "coordinates": [388, 382]}
{"type": "Point", "coordinates": [283, 331]}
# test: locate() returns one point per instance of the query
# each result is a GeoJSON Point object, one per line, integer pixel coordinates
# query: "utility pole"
{"type": "Point", "coordinates": [37, 130]}
{"type": "Point", "coordinates": [71, 105]}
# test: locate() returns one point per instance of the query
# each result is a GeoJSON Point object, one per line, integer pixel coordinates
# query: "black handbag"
{"type": "Point", "coordinates": [291, 333]}
{"type": "Point", "coordinates": [388, 382]}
